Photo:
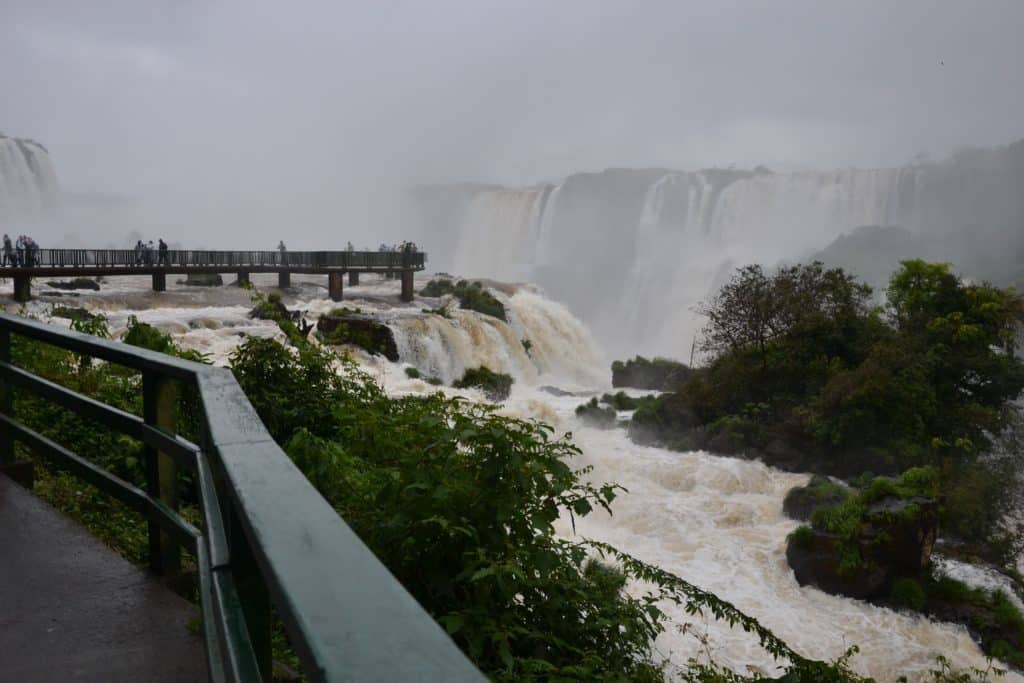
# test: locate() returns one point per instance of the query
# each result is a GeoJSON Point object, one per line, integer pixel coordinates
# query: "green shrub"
{"type": "Point", "coordinates": [412, 373]}
{"type": "Point", "coordinates": [908, 593]}
{"type": "Point", "coordinates": [471, 296]}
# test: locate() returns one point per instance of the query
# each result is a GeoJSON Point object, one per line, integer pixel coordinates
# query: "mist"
{"type": "Point", "coordinates": [235, 124]}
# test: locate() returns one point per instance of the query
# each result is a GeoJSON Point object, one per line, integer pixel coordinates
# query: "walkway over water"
{"type": "Point", "coordinates": [94, 262]}
{"type": "Point", "coordinates": [73, 609]}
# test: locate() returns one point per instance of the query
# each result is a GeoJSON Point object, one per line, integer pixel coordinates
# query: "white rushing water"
{"type": "Point", "coordinates": [714, 521]}
{"type": "Point", "coordinates": [28, 182]}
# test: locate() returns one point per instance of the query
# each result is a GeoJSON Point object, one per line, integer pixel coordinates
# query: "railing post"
{"type": "Point", "coordinates": [159, 406]}
{"type": "Point", "coordinates": [252, 592]}
{"type": "Point", "coordinates": [6, 401]}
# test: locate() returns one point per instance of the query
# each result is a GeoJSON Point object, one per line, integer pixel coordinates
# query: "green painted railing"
{"type": "Point", "coordinates": [268, 538]}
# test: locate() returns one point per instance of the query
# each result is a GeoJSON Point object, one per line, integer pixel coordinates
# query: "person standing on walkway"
{"type": "Point", "coordinates": [284, 252]}
{"type": "Point", "coordinates": [9, 252]}
{"type": "Point", "coordinates": [164, 261]}
{"type": "Point", "coordinates": [19, 247]}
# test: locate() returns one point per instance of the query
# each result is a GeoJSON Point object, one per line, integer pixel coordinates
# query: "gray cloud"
{"type": "Point", "coordinates": [263, 118]}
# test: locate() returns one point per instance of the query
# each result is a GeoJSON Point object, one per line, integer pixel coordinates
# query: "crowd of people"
{"type": "Point", "coordinates": [145, 253]}
{"type": "Point", "coordinates": [22, 252]}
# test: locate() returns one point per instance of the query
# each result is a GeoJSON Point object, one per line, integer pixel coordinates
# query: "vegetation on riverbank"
{"type": "Point", "coordinates": [470, 295]}
{"type": "Point", "coordinates": [805, 373]}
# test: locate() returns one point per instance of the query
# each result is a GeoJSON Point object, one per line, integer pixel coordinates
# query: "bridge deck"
{"type": "Point", "coordinates": [73, 609]}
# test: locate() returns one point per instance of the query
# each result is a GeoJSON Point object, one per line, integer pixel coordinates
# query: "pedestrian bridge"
{"type": "Point", "coordinates": [267, 543]}
{"type": "Point", "coordinates": [160, 264]}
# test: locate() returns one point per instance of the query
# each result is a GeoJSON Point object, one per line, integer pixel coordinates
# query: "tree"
{"type": "Point", "coordinates": [753, 309]}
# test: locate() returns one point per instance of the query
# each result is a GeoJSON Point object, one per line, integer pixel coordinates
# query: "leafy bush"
{"type": "Point", "coordinates": [908, 593]}
{"type": "Point", "coordinates": [412, 373]}
{"type": "Point", "coordinates": [471, 296]}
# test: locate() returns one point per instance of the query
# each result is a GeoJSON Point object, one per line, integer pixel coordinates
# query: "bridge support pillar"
{"type": "Point", "coordinates": [353, 278]}
{"type": "Point", "coordinates": [334, 285]}
{"type": "Point", "coordinates": [284, 280]}
{"type": "Point", "coordinates": [407, 286]}
{"type": "Point", "coordinates": [159, 282]}
{"type": "Point", "coordinates": [22, 288]}
{"type": "Point", "coordinates": [243, 278]}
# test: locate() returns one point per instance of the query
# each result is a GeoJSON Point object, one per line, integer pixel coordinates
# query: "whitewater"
{"type": "Point", "coordinates": [714, 521]}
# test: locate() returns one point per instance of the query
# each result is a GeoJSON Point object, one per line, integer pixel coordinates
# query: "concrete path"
{"type": "Point", "coordinates": [71, 609]}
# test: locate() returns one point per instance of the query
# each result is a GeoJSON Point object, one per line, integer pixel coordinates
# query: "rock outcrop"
{"type": "Point", "coordinates": [358, 330]}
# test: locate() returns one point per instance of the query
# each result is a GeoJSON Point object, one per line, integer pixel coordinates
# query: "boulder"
{"type": "Point", "coordinates": [77, 283]}
{"type": "Point", "coordinates": [896, 539]}
{"type": "Point", "coordinates": [202, 280]}
{"type": "Point", "coordinates": [72, 313]}
{"type": "Point", "coordinates": [814, 557]}
{"type": "Point", "coordinates": [640, 373]}
{"type": "Point", "coordinates": [359, 330]}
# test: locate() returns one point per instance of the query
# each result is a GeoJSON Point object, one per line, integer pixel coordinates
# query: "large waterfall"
{"type": "Point", "coordinates": [633, 250]}
{"type": "Point", "coordinates": [28, 182]}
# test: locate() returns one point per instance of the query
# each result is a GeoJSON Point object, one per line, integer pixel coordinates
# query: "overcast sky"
{"type": "Point", "coordinates": [295, 108]}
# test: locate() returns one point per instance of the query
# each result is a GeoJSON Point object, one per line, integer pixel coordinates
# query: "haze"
{"type": "Point", "coordinates": [238, 123]}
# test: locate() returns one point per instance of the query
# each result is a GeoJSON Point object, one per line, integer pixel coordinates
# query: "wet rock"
{"type": "Point", "coordinates": [72, 313]}
{"type": "Point", "coordinates": [641, 373]}
{"type": "Point", "coordinates": [555, 391]}
{"type": "Point", "coordinates": [202, 280]}
{"type": "Point", "coordinates": [895, 540]}
{"type": "Point", "coordinates": [77, 283]}
{"type": "Point", "coordinates": [359, 330]}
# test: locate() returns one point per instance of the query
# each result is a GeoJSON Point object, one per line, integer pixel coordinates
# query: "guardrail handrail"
{"type": "Point", "coordinates": [268, 536]}
{"type": "Point", "coordinates": [230, 260]}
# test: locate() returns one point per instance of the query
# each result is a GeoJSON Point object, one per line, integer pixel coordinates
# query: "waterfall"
{"type": "Point", "coordinates": [28, 182]}
{"type": "Point", "coordinates": [632, 251]}
{"type": "Point", "coordinates": [498, 233]}
{"type": "Point", "coordinates": [560, 347]}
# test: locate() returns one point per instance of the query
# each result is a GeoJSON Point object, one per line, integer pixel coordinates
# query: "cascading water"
{"type": "Point", "coordinates": [28, 182]}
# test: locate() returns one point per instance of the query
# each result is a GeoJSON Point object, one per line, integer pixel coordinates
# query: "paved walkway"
{"type": "Point", "coordinates": [71, 609]}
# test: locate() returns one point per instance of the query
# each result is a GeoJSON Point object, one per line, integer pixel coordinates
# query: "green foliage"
{"type": "Point", "coordinates": [412, 373]}
{"type": "Point", "coordinates": [908, 593]}
{"type": "Point", "coordinates": [495, 385]}
{"type": "Point", "coordinates": [802, 536]}
{"type": "Point", "coordinates": [621, 401]}
{"type": "Point", "coordinates": [471, 296]}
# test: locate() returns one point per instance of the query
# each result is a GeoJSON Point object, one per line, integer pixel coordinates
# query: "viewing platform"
{"type": "Point", "coordinates": [160, 264]}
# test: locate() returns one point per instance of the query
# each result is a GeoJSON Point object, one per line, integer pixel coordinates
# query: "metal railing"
{"type": "Point", "coordinates": [229, 260]}
{"type": "Point", "coordinates": [268, 538]}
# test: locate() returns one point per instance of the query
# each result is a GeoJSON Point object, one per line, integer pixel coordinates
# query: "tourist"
{"type": "Point", "coordinates": [149, 252]}
{"type": "Point", "coordinates": [139, 248]}
{"type": "Point", "coordinates": [9, 258]}
{"type": "Point", "coordinates": [284, 251]}
{"type": "Point", "coordinates": [31, 252]}
{"type": "Point", "coordinates": [163, 253]}
{"type": "Point", "coordinates": [19, 247]}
